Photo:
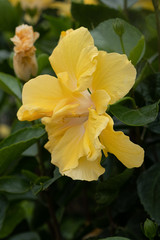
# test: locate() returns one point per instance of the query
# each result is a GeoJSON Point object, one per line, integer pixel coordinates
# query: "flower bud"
{"type": "Point", "coordinates": [150, 229]}
{"type": "Point", "coordinates": [118, 27]}
{"type": "Point", "coordinates": [24, 59]}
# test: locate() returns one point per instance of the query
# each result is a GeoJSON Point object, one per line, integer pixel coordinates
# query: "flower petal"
{"type": "Point", "coordinates": [130, 154]}
{"type": "Point", "coordinates": [86, 170]}
{"type": "Point", "coordinates": [101, 100]}
{"type": "Point", "coordinates": [71, 138]}
{"type": "Point", "coordinates": [93, 128]}
{"type": "Point", "coordinates": [40, 96]}
{"type": "Point", "coordinates": [75, 54]}
{"type": "Point", "coordinates": [115, 74]}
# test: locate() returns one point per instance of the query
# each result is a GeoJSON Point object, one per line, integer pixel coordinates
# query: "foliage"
{"type": "Point", "coordinates": [36, 202]}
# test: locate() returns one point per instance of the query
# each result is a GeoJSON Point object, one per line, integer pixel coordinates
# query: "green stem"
{"type": "Point", "coordinates": [122, 45]}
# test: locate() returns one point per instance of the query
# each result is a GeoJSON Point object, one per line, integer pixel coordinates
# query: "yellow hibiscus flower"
{"type": "Point", "coordinates": [72, 106]}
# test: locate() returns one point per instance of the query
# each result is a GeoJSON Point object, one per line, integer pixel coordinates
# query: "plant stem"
{"type": "Point", "coordinates": [53, 223]}
{"type": "Point", "coordinates": [54, 226]}
{"type": "Point", "coordinates": [122, 45]}
{"type": "Point", "coordinates": [155, 4]}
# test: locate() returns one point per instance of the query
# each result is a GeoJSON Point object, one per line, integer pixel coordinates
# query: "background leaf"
{"type": "Point", "coordinates": [10, 85]}
{"type": "Point", "coordinates": [149, 191]}
{"type": "Point", "coordinates": [135, 117]}
{"type": "Point", "coordinates": [133, 40]}
{"type": "Point", "coordinates": [13, 146]}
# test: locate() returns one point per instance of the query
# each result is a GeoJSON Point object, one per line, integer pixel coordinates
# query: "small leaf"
{"type": "Point", "coordinates": [106, 39]}
{"type": "Point", "coordinates": [14, 184]}
{"type": "Point", "coordinates": [135, 117]}
{"type": "Point", "coordinates": [149, 191]}
{"type": "Point", "coordinates": [10, 85]}
{"type": "Point", "coordinates": [42, 183]}
{"type": "Point", "coordinates": [14, 216]}
{"type": "Point", "coordinates": [12, 147]}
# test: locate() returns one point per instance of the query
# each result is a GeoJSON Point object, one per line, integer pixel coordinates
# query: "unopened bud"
{"type": "Point", "coordinates": [150, 229]}
{"type": "Point", "coordinates": [118, 27]}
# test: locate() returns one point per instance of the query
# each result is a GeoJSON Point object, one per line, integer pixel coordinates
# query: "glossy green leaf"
{"type": "Point", "coordinates": [91, 15]}
{"type": "Point", "coordinates": [10, 85]}
{"type": "Point", "coordinates": [106, 39]}
{"type": "Point", "coordinates": [14, 184]}
{"type": "Point", "coordinates": [26, 236]}
{"type": "Point", "coordinates": [135, 117]}
{"type": "Point", "coordinates": [12, 147]}
{"type": "Point", "coordinates": [14, 216]}
{"type": "Point", "coordinates": [149, 191]}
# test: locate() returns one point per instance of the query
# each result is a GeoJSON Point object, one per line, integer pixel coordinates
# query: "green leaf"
{"type": "Point", "coordinates": [12, 147]}
{"type": "Point", "coordinates": [43, 61]}
{"type": "Point", "coordinates": [108, 190]}
{"type": "Point", "coordinates": [4, 55]}
{"type": "Point", "coordinates": [9, 16]}
{"type": "Point", "coordinates": [10, 85]}
{"type": "Point", "coordinates": [135, 117]}
{"type": "Point", "coordinates": [42, 183]}
{"type": "Point", "coordinates": [26, 236]}
{"type": "Point", "coordinates": [90, 15]}
{"type": "Point", "coordinates": [149, 191]}
{"type": "Point", "coordinates": [3, 206]}
{"type": "Point", "coordinates": [137, 52]}
{"type": "Point", "coordinates": [118, 3]}
{"type": "Point", "coordinates": [106, 39]}
{"type": "Point", "coordinates": [14, 216]}
{"type": "Point", "coordinates": [14, 184]}
{"type": "Point", "coordinates": [58, 24]}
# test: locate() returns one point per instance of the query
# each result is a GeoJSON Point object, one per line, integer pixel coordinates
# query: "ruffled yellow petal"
{"type": "Point", "coordinates": [93, 128]}
{"type": "Point", "coordinates": [73, 138]}
{"type": "Point", "coordinates": [115, 74]}
{"type": "Point", "coordinates": [40, 96]}
{"type": "Point", "coordinates": [101, 100]}
{"type": "Point", "coordinates": [75, 54]}
{"type": "Point", "coordinates": [86, 170]}
{"type": "Point", "coordinates": [117, 143]}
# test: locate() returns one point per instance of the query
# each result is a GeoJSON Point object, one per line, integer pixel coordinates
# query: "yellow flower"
{"type": "Point", "coordinates": [24, 60]}
{"type": "Point", "coordinates": [146, 4]}
{"type": "Point", "coordinates": [4, 130]}
{"type": "Point", "coordinates": [32, 4]}
{"type": "Point", "coordinates": [72, 106]}
{"type": "Point", "coordinates": [36, 5]}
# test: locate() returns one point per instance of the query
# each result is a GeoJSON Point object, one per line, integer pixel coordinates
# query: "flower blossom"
{"type": "Point", "coordinates": [24, 60]}
{"type": "Point", "coordinates": [73, 106]}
